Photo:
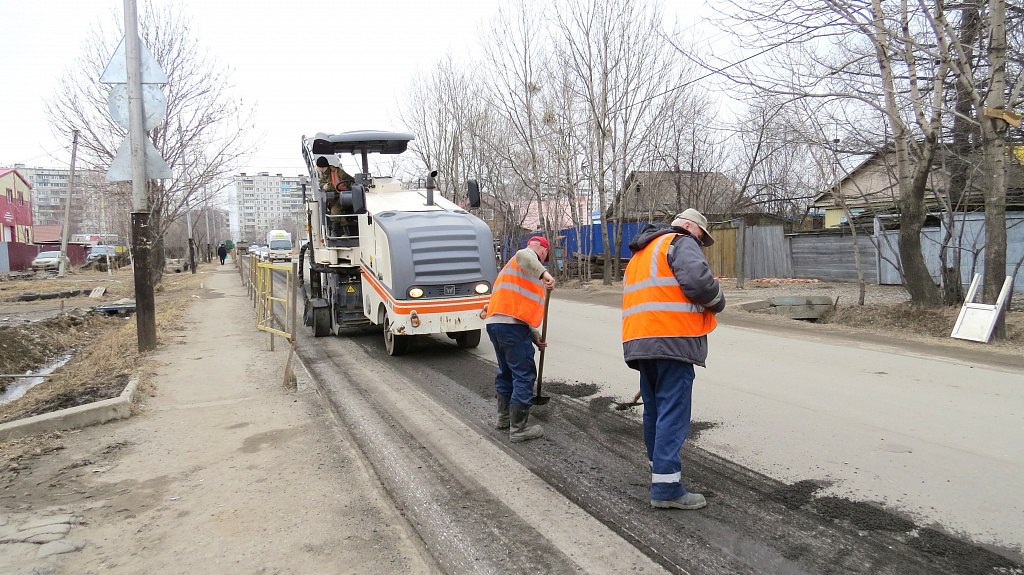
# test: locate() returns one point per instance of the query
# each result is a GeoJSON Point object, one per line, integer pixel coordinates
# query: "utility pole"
{"type": "Point", "coordinates": [142, 237]}
{"type": "Point", "coordinates": [191, 241]}
{"type": "Point", "coordinates": [206, 214]}
{"type": "Point", "coordinates": [67, 209]}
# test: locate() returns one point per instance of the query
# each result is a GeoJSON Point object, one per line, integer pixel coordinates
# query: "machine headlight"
{"type": "Point", "coordinates": [415, 292]}
{"type": "Point", "coordinates": [481, 288]}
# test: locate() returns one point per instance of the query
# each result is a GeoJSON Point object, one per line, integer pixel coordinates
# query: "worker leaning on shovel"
{"type": "Point", "coordinates": [514, 313]}
{"type": "Point", "coordinates": [669, 302]}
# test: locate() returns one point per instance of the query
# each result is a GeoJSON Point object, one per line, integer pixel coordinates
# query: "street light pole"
{"type": "Point", "coordinates": [63, 265]}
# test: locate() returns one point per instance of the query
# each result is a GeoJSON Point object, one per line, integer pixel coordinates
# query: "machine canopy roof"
{"type": "Point", "coordinates": [372, 141]}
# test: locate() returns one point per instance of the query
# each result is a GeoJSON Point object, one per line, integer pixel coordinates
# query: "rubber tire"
{"type": "Point", "coordinates": [49, 295]}
{"type": "Point", "coordinates": [30, 296]}
{"type": "Point", "coordinates": [321, 321]}
{"type": "Point", "coordinates": [395, 344]}
{"type": "Point", "coordinates": [468, 339]}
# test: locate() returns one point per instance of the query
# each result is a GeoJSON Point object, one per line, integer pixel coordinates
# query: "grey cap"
{"type": "Point", "coordinates": [698, 218]}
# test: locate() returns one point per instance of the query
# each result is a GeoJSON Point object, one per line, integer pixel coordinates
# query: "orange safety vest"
{"type": "Point", "coordinates": [337, 181]}
{"type": "Point", "coordinates": [517, 295]}
{"type": "Point", "coordinates": [653, 303]}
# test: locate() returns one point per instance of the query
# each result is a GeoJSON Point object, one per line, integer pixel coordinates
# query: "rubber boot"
{"type": "Point", "coordinates": [688, 501]}
{"type": "Point", "coordinates": [519, 431]}
{"type": "Point", "coordinates": [503, 417]}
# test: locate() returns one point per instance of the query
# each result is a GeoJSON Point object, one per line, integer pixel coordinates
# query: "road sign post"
{"type": "Point", "coordinates": [136, 75]}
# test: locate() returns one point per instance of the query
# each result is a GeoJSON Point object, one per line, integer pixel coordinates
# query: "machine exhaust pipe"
{"type": "Point", "coordinates": [430, 187]}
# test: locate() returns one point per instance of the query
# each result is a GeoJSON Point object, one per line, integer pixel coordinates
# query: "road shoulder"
{"type": "Point", "coordinates": [223, 470]}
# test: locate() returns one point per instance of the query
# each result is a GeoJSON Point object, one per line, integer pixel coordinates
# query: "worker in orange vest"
{"type": "Point", "coordinates": [514, 314]}
{"type": "Point", "coordinates": [333, 181]}
{"type": "Point", "coordinates": [669, 302]}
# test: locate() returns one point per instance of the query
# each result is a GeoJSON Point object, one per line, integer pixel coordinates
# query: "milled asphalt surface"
{"type": "Point", "coordinates": [593, 457]}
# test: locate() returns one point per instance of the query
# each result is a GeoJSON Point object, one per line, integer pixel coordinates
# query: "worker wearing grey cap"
{"type": "Point", "coordinates": [669, 302]}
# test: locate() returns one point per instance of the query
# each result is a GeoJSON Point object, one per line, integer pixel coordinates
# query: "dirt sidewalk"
{"type": "Point", "coordinates": [223, 471]}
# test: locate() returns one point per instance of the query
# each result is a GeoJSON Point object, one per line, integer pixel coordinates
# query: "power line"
{"type": "Point", "coordinates": [710, 73]}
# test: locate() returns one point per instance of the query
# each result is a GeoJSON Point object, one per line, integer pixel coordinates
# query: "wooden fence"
{"type": "Point", "coordinates": [722, 254]}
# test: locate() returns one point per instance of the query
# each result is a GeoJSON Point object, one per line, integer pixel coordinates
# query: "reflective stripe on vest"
{"type": "Point", "coordinates": [517, 295]}
{"type": "Point", "coordinates": [653, 303]}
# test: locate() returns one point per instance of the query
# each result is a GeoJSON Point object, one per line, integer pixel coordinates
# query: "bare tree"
{"type": "Point", "coordinates": [202, 137]}
{"type": "Point", "coordinates": [621, 70]}
{"type": "Point", "coordinates": [984, 83]}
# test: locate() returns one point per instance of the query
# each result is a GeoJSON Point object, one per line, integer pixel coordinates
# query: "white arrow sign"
{"type": "Point", "coordinates": [121, 168]}
{"type": "Point", "coordinates": [154, 110]}
{"type": "Point", "coordinates": [116, 71]}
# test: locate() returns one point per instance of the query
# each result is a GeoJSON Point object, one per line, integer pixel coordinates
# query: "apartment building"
{"type": "Point", "coordinates": [265, 201]}
{"type": "Point", "coordinates": [50, 188]}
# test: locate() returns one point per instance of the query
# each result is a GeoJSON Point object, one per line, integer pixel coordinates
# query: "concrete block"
{"type": "Point", "coordinates": [49, 520]}
{"type": "Point", "coordinates": [757, 305]}
{"type": "Point", "coordinates": [73, 417]}
{"type": "Point", "coordinates": [59, 547]}
{"type": "Point", "coordinates": [800, 311]}
{"type": "Point", "coordinates": [801, 300]}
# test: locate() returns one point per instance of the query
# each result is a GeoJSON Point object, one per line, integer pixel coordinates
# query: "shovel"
{"type": "Point", "coordinates": [542, 399]}
{"type": "Point", "coordinates": [624, 406]}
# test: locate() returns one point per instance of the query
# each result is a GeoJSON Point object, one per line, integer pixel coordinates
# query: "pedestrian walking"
{"type": "Point", "coordinates": [669, 302]}
{"type": "Point", "coordinates": [514, 314]}
{"type": "Point", "coordinates": [222, 252]}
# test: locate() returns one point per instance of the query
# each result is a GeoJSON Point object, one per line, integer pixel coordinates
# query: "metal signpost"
{"type": "Point", "coordinates": [137, 104]}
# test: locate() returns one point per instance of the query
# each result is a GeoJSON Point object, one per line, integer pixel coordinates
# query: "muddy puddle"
{"type": "Point", "coordinates": [21, 385]}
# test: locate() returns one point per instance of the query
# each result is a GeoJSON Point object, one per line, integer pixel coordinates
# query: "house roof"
{"type": "Point", "coordinates": [884, 193]}
{"type": "Point", "coordinates": [46, 234]}
{"type": "Point", "coordinates": [5, 171]}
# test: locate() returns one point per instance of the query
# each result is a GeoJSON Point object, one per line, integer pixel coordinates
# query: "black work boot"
{"type": "Point", "coordinates": [503, 417]}
{"type": "Point", "coordinates": [519, 431]}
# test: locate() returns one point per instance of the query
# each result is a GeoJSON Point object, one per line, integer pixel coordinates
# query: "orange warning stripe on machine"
{"type": "Point", "coordinates": [448, 305]}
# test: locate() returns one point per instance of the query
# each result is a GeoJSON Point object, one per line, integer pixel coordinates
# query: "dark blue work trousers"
{"type": "Point", "coordinates": [513, 344]}
{"type": "Point", "coordinates": [667, 388]}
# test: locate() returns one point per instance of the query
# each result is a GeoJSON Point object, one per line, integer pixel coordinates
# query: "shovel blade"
{"type": "Point", "coordinates": [540, 400]}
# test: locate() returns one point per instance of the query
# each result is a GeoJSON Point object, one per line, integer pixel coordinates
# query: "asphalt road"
{"type": "Point", "coordinates": [789, 446]}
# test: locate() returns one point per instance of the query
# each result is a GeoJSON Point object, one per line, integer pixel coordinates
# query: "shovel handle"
{"type": "Point", "coordinates": [543, 338]}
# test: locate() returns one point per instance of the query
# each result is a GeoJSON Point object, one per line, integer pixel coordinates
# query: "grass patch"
{"type": "Point", "coordinates": [101, 369]}
{"type": "Point", "coordinates": [904, 318]}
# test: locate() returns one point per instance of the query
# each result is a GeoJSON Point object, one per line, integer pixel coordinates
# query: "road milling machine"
{"type": "Point", "coordinates": [407, 260]}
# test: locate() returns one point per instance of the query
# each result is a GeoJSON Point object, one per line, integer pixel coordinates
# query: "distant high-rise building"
{"type": "Point", "coordinates": [265, 202]}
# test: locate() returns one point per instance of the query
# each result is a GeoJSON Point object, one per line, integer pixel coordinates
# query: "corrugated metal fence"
{"type": "Point", "coordinates": [826, 255]}
{"type": "Point", "coordinates": [969, 237]}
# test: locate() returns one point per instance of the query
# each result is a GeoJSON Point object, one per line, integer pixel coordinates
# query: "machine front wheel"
{"type": "Point", "coordinates": [395, 344]}
{"type": "Point", "coordinates": [468, 339]}
{"type": "Point", "coordinates": [321, 321]}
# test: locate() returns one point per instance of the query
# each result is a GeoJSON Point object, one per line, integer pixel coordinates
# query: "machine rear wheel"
{"type": "Point", "coordinates": [395, 344]}
{"type": "Point", "coordinates": [468, 339]}
{"type": "Point", "coordinates": [321, 321]}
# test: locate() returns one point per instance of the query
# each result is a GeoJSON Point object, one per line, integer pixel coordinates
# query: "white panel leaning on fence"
{"type": "Point", "coordinates": [977, 320]}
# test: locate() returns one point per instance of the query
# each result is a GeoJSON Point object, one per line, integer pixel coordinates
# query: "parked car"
{"type": "Point", "coordinates": [101, 252]}
{"type": "Point", "coordinates": [49, 261]}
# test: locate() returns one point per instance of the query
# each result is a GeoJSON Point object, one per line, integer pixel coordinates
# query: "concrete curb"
{"type": "Point", "coordinates": [94, 413]}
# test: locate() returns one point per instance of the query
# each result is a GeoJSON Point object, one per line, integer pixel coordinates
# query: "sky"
{"type": "Point", "coordinates": [306, 67]}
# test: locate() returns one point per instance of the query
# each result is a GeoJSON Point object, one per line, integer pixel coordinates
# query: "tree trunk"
{"type": "Point", "coordinates": [993, 132]}
{"type": "Point", "coordinates": [964, 135]}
